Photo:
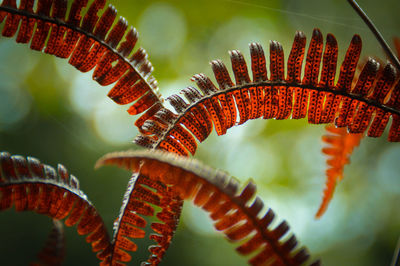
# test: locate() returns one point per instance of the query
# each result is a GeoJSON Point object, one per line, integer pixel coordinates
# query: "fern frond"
{"type": "Point", "coordinates": [142, 194]}
{"type": "Point", "coordinates": [53, 252]}
{"type": "Point", "coordinates": [236, 212]}
{"type": "Point", "coordinates": [340, 145]}
{"type": "Point", "coordinates": [89, 41]}
{"type": "Point", "coordinates": [32, 186]}
{"type": "Point", "coordinates": [356, 103]}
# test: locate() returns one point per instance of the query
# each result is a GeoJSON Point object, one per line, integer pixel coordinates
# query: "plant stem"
{"type": "Point", "coordinates": [377, 34]}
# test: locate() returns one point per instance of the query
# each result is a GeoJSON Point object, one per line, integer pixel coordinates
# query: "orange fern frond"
{"type": "Point", "coordinates": [368, 101]}
{"type": "Point", "coordinates": [235, 212]}
{"type": "Point", "coordinates": [53, 252]}
{"type": "Point", "coordinates": [89, 41]}
{"type": "Point", "coordinates": [142, 194]}
{"type": "Point", "coordinates": [32, 186]}
{"type": "Point", "coordinates": [340, 145]}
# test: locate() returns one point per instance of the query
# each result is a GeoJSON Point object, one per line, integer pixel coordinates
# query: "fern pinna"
{"type": "Point", "coordinates": [359, 101]}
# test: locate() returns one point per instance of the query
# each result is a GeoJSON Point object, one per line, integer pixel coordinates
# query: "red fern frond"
{"type": "Point", "coordinates": [340, 145]}
{"type": "Point", "coordinates": [236, 212]}
{"type": "Point", "coordinates": [32, 186]}
{"type": "Point", "coordinates": [53, 252]}
{"type": "Point", "coordinates": [142, 194]}
{"type": "Point", "coordinates": [89, 41]}
{"type": "Point", "coordinates": [356, 103]}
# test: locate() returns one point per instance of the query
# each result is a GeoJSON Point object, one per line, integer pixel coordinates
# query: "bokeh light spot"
{"type": "Point", "coordinates": [198, 220]}
{"type": "Point", "coordinates": [15, 104]}
{"type": "Point", "coordinates": [388, 170]}
{"type": "Point", "coordinates": [163, 30]}
{"type": "Point", "coordinates": [85, 94]}
{"type": "Point", "coordinates": [112, 124]}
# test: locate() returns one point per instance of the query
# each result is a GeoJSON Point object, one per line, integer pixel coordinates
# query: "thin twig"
{"type": "Point", "coordinates": [377, 34]}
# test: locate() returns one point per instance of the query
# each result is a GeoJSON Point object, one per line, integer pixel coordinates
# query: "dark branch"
{"type": "Point", "coordinates": [376, 32]}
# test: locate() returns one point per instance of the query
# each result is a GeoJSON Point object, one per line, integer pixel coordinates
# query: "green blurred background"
{"type": "Point", "coordinates": [57, 114]}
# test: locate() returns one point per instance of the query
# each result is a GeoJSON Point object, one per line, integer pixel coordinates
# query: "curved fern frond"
{"type": "Point", "coordinates": [236, 212]}
{"type": "Point", "coordinates": [340, 145]}
{"type": "Point", "coordinates": [53, 252]}
{"type": "Point", "coordinates": [139, 201]}
{"type": "Point", "coordinates": [32, 186]}
{"type": "Point", "coordinates": [356, 103]}
{"type": "Point", "coordinates": [89, 41]}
